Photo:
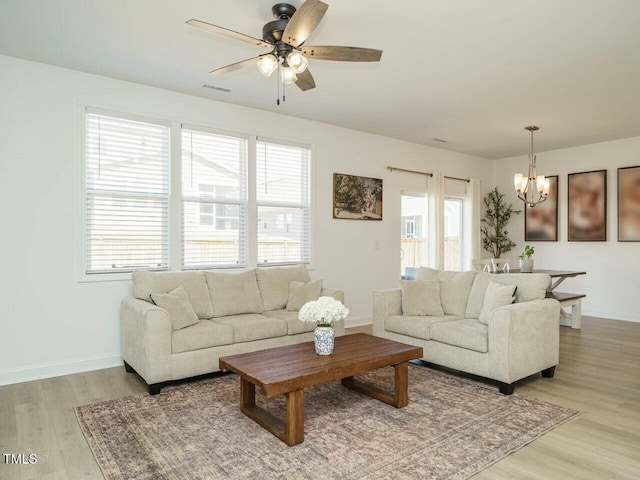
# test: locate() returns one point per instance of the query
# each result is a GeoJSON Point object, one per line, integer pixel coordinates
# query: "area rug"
{"type": "Point", "coordinates": [452, 428]}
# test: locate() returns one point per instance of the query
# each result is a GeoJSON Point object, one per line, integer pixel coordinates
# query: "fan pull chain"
{"type": "Point", "coordinates": [279, 76]}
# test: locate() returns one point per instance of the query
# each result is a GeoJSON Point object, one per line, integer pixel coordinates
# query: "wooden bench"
{"type": "Point", "coordinates": [573, 300]}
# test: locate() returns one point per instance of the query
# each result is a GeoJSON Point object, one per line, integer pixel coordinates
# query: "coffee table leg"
{"type": "Point", "coordinates": [295, 418]}
{"type": "Point", "coordinates": [247, 394]}
{"type": "Point", "coordinates": [400, 397]}
{"type": "Point", "coordinates": [290, 431]}
{"type": "Point", "coordinates": [401, 384]}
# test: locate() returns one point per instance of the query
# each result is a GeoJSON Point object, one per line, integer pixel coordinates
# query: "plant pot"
{"type": "Point", "coordinates": [324, 339]}
{"type": "Point", "coordinates": [526, 265]}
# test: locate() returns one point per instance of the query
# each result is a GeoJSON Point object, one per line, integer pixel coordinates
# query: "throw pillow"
{"type": "Point", "coordinates": [420, 297]}
{"type": "Point", "coordinates": [496, 296]}
{"type": "Point", "coordinates": [177, 303]}
{"type": "Point", "coordinates": [301, 293]}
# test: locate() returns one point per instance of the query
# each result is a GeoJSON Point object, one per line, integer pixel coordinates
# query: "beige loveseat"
{"type": "Point", "coordinates": [515, 341]}
{"type": "Point", "coordinates": [236, 313]}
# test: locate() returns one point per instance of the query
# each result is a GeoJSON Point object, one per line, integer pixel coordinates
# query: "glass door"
{"type": "Point", "coordinates": [413, 234]}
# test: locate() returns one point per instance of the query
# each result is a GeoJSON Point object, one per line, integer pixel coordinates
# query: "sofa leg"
{"type": "Point", "coordinates": [506, 388]}
{"type": "Point", "coordinates": [548, 372]}
{"type": "Point", "coordinates": [128, 368]}
{"type": "Point", "coordinates": [154, 388]}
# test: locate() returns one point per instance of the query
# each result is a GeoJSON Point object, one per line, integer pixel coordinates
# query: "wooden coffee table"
{"type": "Point", "coordinates": [289, 370]}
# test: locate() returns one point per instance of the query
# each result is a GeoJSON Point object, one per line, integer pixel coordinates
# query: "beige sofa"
{"type": "Point", "coordinates": [520, 339]}
{"type": "Point", "coordinates": [237, 313]}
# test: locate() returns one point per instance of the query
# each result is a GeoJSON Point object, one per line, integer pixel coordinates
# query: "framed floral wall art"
{"type": "Point", "coordinates": [629, 204]}
{"type": "Point", "coordinates": [541, 221]}
{"type": "Point", "coordinates": [357, 198]}
{"type": "Point", "coordinates": [588, 206]}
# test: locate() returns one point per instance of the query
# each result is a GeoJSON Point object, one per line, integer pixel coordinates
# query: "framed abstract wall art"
{"type": "Point", "coordinates": [357, 198]}
{"type": "Point", "coordinates": [587, 206]}
{"type": "Point", "coordinates": [541, 221]}
{"type": "Point", "coordinates": [629, 204]}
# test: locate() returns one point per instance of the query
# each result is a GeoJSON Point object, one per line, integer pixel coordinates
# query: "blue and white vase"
{"type": "Point", "coordinates": [324, 337]}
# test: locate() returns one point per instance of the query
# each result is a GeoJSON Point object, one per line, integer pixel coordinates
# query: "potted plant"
{"type": "Point", "coordinates": [526, 262]}
{"type": "Point", "coordinates": [495, 236]}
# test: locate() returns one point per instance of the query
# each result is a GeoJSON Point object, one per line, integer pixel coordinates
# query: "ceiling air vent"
{"type": "Point", "coordinates": [439, 140]}
{"type": "Point", "coordinates": [213, 87]}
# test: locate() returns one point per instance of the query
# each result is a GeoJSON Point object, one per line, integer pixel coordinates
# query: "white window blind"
{"type": "Point", "coordinates": [214, 199]}
{"type": "Point", "coordinates": [127, 194]}
{"type": "Point", "coordinates": [283, 203]}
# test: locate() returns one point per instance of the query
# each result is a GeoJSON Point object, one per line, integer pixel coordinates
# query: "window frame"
{"type": "Point", "coordinates": [462, 253]}
{"type": "Point", "coordinates": [83, 275]}
{"type": "Point", "coordinates": [175, 199]}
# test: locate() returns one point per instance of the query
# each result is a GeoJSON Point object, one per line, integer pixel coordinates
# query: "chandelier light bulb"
{"type": "Point", "coordinates": [540, 183]}
{"type": "Point", "coordinates": [288, 75]}
{"type": "Point", "coordinates": [517, 181]}
{"type": "Point", "coordinates": [267, 65]}
{"type": "Point", "coordinates": [297, 62]}
{"type": "Point", "coordinates": [545, 191]}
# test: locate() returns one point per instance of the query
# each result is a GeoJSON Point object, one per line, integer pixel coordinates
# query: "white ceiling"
{"type": "Point", "coordinates": [471, 72]}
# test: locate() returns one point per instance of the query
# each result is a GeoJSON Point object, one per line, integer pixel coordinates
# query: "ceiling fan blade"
{"type": "Point", "coordinates": [209, 27]}
{"type": "Point", "coordinates": [235, 66]}
{"type": "Point", "coordinates": [304, 22]}
{"type": "Point", "coordinates": [305, 81]}
{"type": "Point", "coordinates": [343, 54]}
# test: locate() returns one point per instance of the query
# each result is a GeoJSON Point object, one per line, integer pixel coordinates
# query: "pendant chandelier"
{"type": "Point", "coordinates": [533, 188]}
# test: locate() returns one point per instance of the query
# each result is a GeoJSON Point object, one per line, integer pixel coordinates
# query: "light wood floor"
{"type": "Point", "coordinates": [599, 374]}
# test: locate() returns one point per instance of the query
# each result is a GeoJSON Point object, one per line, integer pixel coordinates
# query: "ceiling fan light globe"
{"type": "Point", "coordinates": [289, 76]}
{"type": "Point", "coordinates": [297, 62]}
{"type": "Point", "coordinates": [267, 65]}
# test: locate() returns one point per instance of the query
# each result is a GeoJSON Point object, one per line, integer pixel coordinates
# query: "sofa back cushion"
{"type": "Point", "coordinates": [273, 283]}
{"type": "Point", "coordinates": [455, 288]}
{"type": "Point", "coordinates": [531, 286]}
{"type": "Point", "coordinates": [234, 293]}
{"type": "Point", "coordinates": [421, 297]}
{"type": "Point", "coordinates": [145, 283]}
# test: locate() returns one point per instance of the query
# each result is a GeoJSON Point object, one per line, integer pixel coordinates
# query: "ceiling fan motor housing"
{"type": "Point", "coordinates": [272, 31]}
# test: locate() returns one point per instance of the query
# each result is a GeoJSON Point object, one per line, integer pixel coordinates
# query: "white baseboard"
{"type": "Point", "coordinates": [357, 322]}
{"type": "Point", "coordinates": [612, 316]}
{"type": "Point", "coordinates": [56, 369]}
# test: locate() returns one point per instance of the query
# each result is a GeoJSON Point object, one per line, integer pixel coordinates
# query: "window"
{"type": "Point", "coordinates": [413, 241]}
{"type": "Point", "coordinates": [150, 206]}
{"type": "Point", "coordinates": [126, 194]}
{"type": "Point", "coordinates": [453, 234]}
{"type": "Point", "coordinates": [283, 203]}
{"type": "Point", "coordinates": [214, 199]}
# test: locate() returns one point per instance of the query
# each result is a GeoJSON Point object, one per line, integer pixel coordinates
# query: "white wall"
{"type": "Point", "coordinates": [52, 324]}
{"type": "Point", "coordinates": [612, 267]}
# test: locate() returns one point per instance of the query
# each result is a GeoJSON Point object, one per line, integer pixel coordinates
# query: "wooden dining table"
{"type": "Point", "coordinates": [557, 276]}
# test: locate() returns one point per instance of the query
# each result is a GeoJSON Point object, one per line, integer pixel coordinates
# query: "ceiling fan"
{"type": "Point", "coordinates": [286, 36]}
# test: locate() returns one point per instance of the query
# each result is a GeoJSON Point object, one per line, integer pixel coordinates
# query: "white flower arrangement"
{"type": "Point", "coordinates": [323, 311]}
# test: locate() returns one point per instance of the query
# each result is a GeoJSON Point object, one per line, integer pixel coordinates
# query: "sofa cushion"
{"type": "Point", "coordinates": [145, 283]}
{"type": "Point", "coordinates": [273, 283]}
{"type": "Point", "coordinates": [301, 293]}
{"type": "Point", "coordinates": [234, 293]}
{"type": "Point", "coordinates": [204, 334]}
{"type": "Point", "coordinates": [415, 326]}
{"type": "Point", "coordinates": [250, 327]}
{"type": "Point", "coordinates": [294, 325]}
{"type": "Point", "coordinates": [496, 296]}
{"type": "Point", "coordinates": [531, 286]}
{"type": "Point", "coordinates": [427, 274]}
{"type": "Point", "coordinates": [454, 291]}
{"type": "Point", "coordinates": [421, 297]}
{"type": "Point", "coordinates": [177, 303]}
{"type": "Point", "coordinates": [467, 333]}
